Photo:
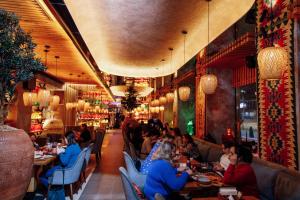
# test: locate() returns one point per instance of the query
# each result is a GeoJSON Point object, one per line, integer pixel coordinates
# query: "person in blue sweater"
{"type": "Point", "coordinates": [66, 159]}
{"type": "Point", "coordinates": [149, 159]}
{"type": "Point", "coordinates": [163, 178]}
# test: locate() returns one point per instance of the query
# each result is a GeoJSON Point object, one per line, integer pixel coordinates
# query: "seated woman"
{"type": "Point", "coordinates": [148, 142]}
{"type": "Point", "coordinates": [152, 155]}
{"type": "Point", "coordinates": [162, 177]}
{"type": "Point", "coordinates": [224, 160]}
{"type": "Point", "coordinates": [66, 159]}
{"type": "Point", "coordinates": [240, 173]}
{"type": "Point", "coordinates": [191, 148]}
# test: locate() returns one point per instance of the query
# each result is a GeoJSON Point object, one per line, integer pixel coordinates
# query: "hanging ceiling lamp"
{"type": "Point", "coordinates": [80, 104]}
{"type": "Point", "coordinates": [29, 98]}
{"type": "Point", "coordinates": [272, 61]}
{"type": "Point", "coordinates": [161, 108]}
{"type": "Point", "coordinates": [43, 97]}
{"type": "Point", "coordinates": [156, 102]}
{"type": "Point", "coordinates": [86, 107]}
{"type": "Point", "coordinates": [170, 97]}
{"type": "Point", "coordinates": [162, 100]}
{"type": "Point", "coordinates": [184, 91]}
{"type": "Point", "coordinates": [69, 106]}
{"type": "Point", "coordinates": [157, 109]}
{"type": "Point", "coordinates": [208, 82]}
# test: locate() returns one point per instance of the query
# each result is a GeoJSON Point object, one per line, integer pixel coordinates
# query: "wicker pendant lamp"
{"type": "Point", "coordinates": [208, 82]}
{"type": "Point", "coordinates": [184, 91]}
{"type": "Point", "coordinates": [272, 61]}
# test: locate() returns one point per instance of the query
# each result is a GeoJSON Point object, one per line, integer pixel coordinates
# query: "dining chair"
{"type": "Point", "coordinates": [137, 177]}
{"type": "Point", "coordinates": [129, 190]}
{"type": "Point", "coordinates": [86, 160]}
{"type": "Point", "coordinates": [71, 174]}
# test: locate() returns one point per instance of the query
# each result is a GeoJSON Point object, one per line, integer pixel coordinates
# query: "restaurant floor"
{"type": "Point", "coordinates": [105, 183]}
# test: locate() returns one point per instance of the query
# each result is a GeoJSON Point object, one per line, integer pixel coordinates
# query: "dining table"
{"type": "Point", "coordinates": [42, 159]}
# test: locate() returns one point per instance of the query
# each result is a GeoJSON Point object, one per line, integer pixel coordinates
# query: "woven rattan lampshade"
{"type": "Point", "coordinates": [80, 104]}
{"type": "Point", "coordinates": [161, 108]}
{"type": "Point", "coordinates": [29, 98]}
{"type": "Point", "coordinates": [184, 93]}
{"type": "Point", "coordinates": [272, 61]}
{"type": "Point", "coordinates": [69, 106]}
{"type": "Point", "coordinates": [162, 100]}
{"type": "Point", "coordinates": [55, 101]}
{"type": "Point", "coordinates": [208, 83]}
{"type": "Point", "coordinates": [170, 97]}
{"type": "Point", "coordinates": [43, 97]}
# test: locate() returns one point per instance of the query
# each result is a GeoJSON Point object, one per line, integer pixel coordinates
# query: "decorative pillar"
{"type": "Point", "coordinates": [296, 14]}
{"type": "Point", "coordinates": [276, 99]}
{"type": "Point", "coordinates": [175, 103]}
{"type": "Point", "coordinates": [200, 102]}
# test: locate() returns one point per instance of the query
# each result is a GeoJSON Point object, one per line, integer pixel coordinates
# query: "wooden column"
{"type": "Point", "coordinates": [200, 102]}
{"type": "Point", "coordinates": [296, 15]}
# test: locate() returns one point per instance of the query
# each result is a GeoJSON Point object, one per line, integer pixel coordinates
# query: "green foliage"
{"type": "Point", "coordinates": [17, 57]}
{"type": "Point", "coordinates": [129, 102]}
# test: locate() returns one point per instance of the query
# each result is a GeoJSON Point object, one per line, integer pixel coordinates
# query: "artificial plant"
{"type": "Point", "coordinates": [129, 102]}
{"type": "Point", "coordinates": [17, 59]}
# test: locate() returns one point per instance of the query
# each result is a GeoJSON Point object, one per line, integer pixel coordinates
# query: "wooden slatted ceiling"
{"type": "Point", "coordinates": [46, 31]}
{"type": "Point", "coordinates": [233, 55]}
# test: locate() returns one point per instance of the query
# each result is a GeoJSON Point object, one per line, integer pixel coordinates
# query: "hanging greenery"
{"type": "Point", "coordinates": [17, 58]}
{"type": "Point", "coordinates": [129, 102]}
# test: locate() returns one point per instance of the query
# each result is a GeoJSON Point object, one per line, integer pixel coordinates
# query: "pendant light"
{"type": "Point", "coordinates": [162, 100]}
{"type": "Point", "coordinates": [55, 98]}
{"type": "Point", "coordinates": [170, 97]}
{"type": "Point", "coordinates": [161, 108]}
{"type": "Point", "coordinates": [184, 91]}
{"type": "Point", "coordinates": [208, 82]}
{"type": "Point", "coordinates": [272, 61]}
{"type": "Point", "coordinates": [29, 98]}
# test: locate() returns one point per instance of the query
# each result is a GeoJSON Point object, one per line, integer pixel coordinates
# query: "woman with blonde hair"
{"type": "Point", "coordinates": [162, 177]}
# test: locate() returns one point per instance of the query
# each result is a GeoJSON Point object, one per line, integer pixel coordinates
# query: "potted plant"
{"type": "Point", "coordinates": [17, 64]}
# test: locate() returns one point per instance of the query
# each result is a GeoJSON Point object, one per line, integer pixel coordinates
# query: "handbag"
{"type": "Point", "coordinates": [57, 192]}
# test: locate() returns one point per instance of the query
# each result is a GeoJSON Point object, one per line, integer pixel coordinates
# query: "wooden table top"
{"type": "Point", "coordinates": [43, 162]}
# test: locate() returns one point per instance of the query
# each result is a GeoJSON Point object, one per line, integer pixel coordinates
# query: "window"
{"type": "Point", "coordinates": [247, 112]}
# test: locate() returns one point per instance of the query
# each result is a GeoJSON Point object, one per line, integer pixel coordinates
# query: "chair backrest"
{"type": "Point", "coordinates": [71, 174]}
{"type": "Point", "coordinates": [88, 153]}
{"type": "Point", "coordinates": [99, 136]}
{"type": "Point", "coordinates": [137, 177]}
{"type": "Point", "coordinates": [133, 152]}
{"type": "Point", "coordinates": [129, 190]}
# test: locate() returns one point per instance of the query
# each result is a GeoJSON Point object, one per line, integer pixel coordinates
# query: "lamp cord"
{"type": "Point", "coordinates": [272, 22]}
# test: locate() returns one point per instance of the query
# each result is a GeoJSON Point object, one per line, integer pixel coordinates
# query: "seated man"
{"type": "Point", "coordinates": [224, 160]}
{"type": "Point", "coordinates": [147, 162]}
